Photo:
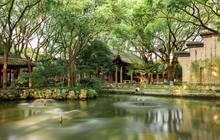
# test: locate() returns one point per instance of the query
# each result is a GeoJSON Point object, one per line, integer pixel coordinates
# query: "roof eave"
{"type": "Point", "coordinates": [195, 45]}
{"type": "Point", "coordinates": [182, 54]}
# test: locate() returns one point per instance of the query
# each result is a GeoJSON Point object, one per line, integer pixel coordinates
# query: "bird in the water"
{"type": "Point", "coordinates": [61, 120]}
{"type": "Point", "coordinates": [137, 89]}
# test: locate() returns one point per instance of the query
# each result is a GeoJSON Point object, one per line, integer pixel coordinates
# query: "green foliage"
{"type": "Point", "coordinates": [93, 83]}
{"type": "Point", "coordinates": [44, 74]}
{"type": "Point", "coordinates": [66, 27]}
{"type": "Point", "coordinates": [22, 80]}
{"type": "Point", "coordinates": [142, 69]}
{"type": "Point", "coordinates": [175, 4]}
{"type": "Point", "coordinates": [1, 51]}
{"type": "Point", "coordinates": [92, 93]}
{"type": "Point", "coordinates": [177, 70]}
{"type": "Point", "coordinates": [95, 59]}
{"type": "Point", "coordinates": [195, 67]}
{"type": "Point", "coordinates": [198, 11]}
{"type": "Point", "coordinates": [205, 70]}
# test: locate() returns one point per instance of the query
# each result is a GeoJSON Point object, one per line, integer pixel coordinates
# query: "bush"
{"type": "Point", "coordinates": [22, 80]}
{"type": "Point", "coordinates": [44, 74]}
{"type": "Point", "coordinates": [92, 93]}
{"type": "Point", "coordinates": [94, 83]}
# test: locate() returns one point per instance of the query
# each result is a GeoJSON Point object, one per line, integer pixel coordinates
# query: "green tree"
{"type": "Point", "coordinates": [75, 25]}
{"type": "Point", "coordinates": [170, 36]}
{"type": "Point", "coordinates": [96, 59]}
{"type": "Point", "coordinates": [203, 13]}
{"type": "Point", "coordinates": [47, 71]}
{"type": "Point", "coordinates": [11, 14]}
{"type": "Point", "coordinates": [30, 36]}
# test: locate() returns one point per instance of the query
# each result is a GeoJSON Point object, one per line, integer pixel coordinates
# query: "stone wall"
{"type": "Point", "coordinates": [203, 65]}
{"type": "Point", "coordinates": [209, 74]}
{"type": "Point", "coordinates": [49, 93]}
{"type": "Point", "coordinates": [211, 49]}
{"type": "Point", "coordinates": [184, 62]}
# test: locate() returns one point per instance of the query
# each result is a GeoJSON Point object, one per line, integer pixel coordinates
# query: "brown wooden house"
{"type": "Point", "coordinates": [14, 67]}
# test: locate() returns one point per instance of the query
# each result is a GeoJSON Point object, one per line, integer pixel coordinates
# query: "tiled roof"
{"type": "Point", "coordinates": [15, 61]}
{"type": "Point", "coordinates": [194, 44]}
{"type": "Point", "coordinates": [128, 57]}
{"type": "Point", "coordinates": [182, 54]}
{"type": "Point", "coordinates": [208, 33]}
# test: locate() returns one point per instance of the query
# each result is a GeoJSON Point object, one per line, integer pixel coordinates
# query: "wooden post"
{"type": "Point", "coordinates": [1, 76]}
{"type": "Point", "coordinates": [79, 76]}
{"type": "Point", "coordinates": [30, 84]}
{"type": "Point", "coordinates": [116, 74]}
{"type": "Point", "coordinates": [5, 67]}
{"type": "Point", "coordinates": [121, 74]}
{"type": "Point", "coordinates": [9, 80]}
{"type": "Point", "coordinates": [131, 77]}
{"type": "Point", "coordinates": [158, 78]}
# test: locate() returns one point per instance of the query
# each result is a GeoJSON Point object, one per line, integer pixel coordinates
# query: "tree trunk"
{"type": "Point", "coordinates": [158, 77]}
{"type": "Point", "coordinates": [70, 80]}
{"type": "Point", "coordinates": [170, 73]}
{"type": "Point", "coordinates": [116, 74]}
{"type": "Point", "coordinates": [152, 78]}
{"type": "Point", "coordinates": [163, 72]}
{"type": "Point", "coordinates": [5, 67]}
{"type": "Point", "coordinates": [30, 75]}
{"type": "Point", "coordinates": [121, 74]}
{"type": "Point", "coordinates": [149, 78]}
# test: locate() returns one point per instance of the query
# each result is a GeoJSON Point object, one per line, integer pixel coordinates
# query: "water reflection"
{"type": "Point", "coordinates": [112, 118]}
{"type": "Point", "coordinates": [150, 119]}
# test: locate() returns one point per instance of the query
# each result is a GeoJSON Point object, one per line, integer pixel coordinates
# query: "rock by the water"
{"type": "Point", "coordinates": [49, 93]}
{"type": "Point", "coordinates": [83, 94]}
{"type": "Point", "coordinates": [71, 95]}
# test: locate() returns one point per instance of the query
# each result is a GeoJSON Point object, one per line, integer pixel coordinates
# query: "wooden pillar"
{"type": "Point", "coordinates": [131, 76]}
{"type": "Point", "coordinates": [111, 77]}
{"type": "Point", "coordinates": [158, 78]}
{"type": "Point", "coordinates": [30, 69]}
{"type": "Point", "coordinates": [116, 74]}
{"type": "Point", "coordinates": [152, 78]}
{"type": "Point", "coordinates": [16, 73]}
{"type": "Point", "coordinates": [79, 76]}
{"type": "Point", "coordinates": [1, 76]}
{"type": "Point", "coordinates": [9, 80]}
{"type": "Point", "coordinates": [121, 74]}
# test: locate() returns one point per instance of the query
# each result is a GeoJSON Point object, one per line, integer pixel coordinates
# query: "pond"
{"type": "Point", "coordinates": [113, 117]}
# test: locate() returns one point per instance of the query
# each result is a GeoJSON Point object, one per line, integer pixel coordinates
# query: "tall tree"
{"type": "Point", "coordinates": [170, 36]}
{"type": "Point", "coordinates": [96, 59]}
{"type": "Point", "coordinates": [203, 13]}
{"type": "Point", "coordinates": [76, 24]}
{"type": "Point", "coordinates": [12, 12]}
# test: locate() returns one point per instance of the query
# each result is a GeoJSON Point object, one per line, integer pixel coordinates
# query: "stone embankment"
{"type": "Point", "coordinates": [50, 93]}
{"type": "Point", "coordinates": [166, 93]}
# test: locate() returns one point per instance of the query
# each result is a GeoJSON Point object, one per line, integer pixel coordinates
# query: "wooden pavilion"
{"type": "Point", "coordinates": [122, 61]}
{"type": "Point", "coordinates": [14, 67]}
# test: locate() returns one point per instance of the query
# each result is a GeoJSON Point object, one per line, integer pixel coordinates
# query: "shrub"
{"type": "Point", "coordinates": [45, 73]}
{"type": "Point", "coordinates": [22, 80]}
{"type": "Point", "coordinates": [94, 83]}
{"type": "Point", "coordinates": [92, 93]}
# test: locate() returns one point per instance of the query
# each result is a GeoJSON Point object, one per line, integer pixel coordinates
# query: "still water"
{"type": "Point", "coordinates": [118, 117]}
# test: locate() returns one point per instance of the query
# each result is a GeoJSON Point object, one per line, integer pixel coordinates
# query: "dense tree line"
{"type": "Point", "coordinates": [42, 30]}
